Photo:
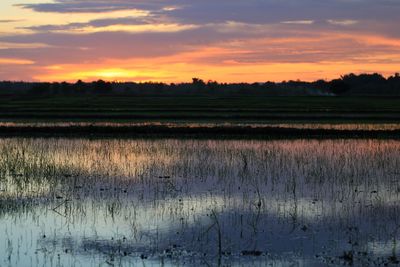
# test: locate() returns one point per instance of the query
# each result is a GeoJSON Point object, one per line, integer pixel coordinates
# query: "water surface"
{"type": "Point", "coordinates": [120, 202]}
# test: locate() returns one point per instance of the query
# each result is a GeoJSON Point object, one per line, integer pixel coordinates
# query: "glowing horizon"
{"type": "Point", "coordinates": [175, 40]}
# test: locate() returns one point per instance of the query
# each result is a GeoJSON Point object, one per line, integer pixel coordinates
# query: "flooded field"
{"type": "Point", "coordinates": [167, 202]}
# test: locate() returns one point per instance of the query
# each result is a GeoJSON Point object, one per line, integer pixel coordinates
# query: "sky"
{"type": "Point", "coordinates": [175, 40]}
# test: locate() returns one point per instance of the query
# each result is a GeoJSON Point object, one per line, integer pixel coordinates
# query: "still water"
{"type": "Point", "coordinates": [167, 202]}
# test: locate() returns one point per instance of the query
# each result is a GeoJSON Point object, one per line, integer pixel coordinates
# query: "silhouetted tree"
{"type": "Point", "coordinates": [198, 83]}
{"type": "Point", "coordinates": [102, 87]}
{"type": "Point", "coordinates": [339, 87]}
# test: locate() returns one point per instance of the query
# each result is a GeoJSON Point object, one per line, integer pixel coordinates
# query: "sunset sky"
{"type": "Point", "coordinates": [175, 40]}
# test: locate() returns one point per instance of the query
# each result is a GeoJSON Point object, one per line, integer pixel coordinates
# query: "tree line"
{"type": "Point", "coordinates": [350, 84]}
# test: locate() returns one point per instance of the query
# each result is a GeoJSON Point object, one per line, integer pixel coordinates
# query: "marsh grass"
{"type": "Point", "coordinates": [200, 201]}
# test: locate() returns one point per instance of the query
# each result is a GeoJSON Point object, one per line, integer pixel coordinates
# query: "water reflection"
{"type": "Point", "coordinates": [196, 202]}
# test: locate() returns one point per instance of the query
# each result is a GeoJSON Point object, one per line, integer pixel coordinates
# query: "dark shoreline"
{"type": "Point", "coordinates": [215, 132]}
{"type": "Point", "coordinates": [273, 116]}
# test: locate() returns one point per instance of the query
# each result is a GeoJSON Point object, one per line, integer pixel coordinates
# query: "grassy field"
{"type": "Point", "coordinates": [200, 108]}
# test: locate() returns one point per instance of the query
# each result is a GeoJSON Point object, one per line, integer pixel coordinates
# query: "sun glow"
{"type": "Point", "coordinates": [65, 73]}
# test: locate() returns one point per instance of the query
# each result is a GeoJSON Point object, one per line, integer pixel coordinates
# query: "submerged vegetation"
{"type": "Point", "coordinates": [80, 202]}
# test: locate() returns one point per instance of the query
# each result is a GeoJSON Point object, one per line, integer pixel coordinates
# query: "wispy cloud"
{"type": "Point", "coordinates": [98, 6]}
{"type": "Point", "coordinates": [129, 28]}
{"type": "Point", "coordinates": [299, 22]}
{"type": "Point", "coordinates": [6, 45]}
{"type": "Point", "coordinates": [15, 61]}
{"type": "Point", "coordinates": [9, 20]}
{"type": "Point", "coordinates": [343, 22]}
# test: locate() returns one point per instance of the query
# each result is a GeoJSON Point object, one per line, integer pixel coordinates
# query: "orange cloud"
{"type": "Point", "coordinates": [184, 66]}
{"type": "Point", "coordinates": [321, 55]}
